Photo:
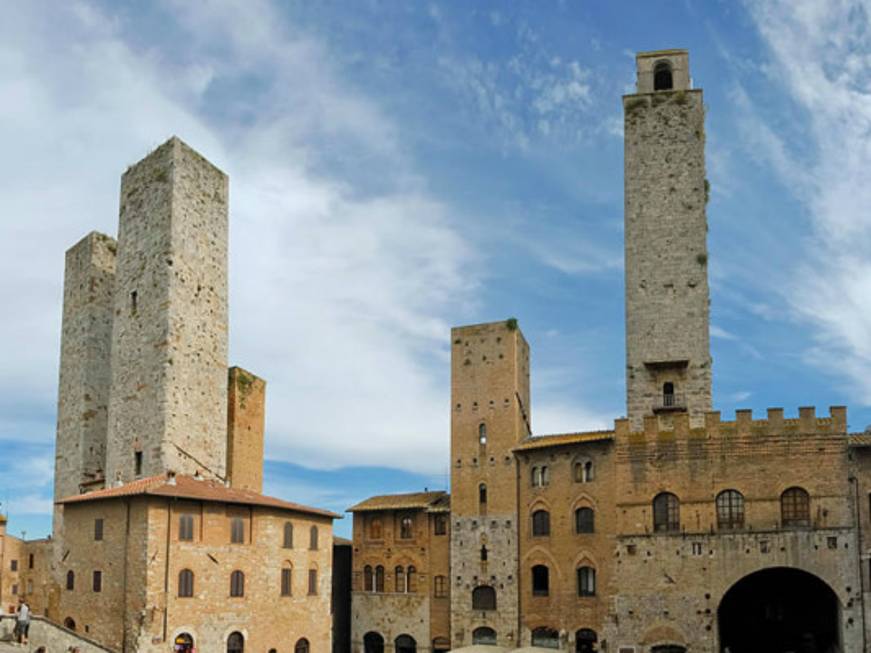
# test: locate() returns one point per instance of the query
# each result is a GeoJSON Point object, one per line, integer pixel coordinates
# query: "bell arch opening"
{"type": "Point", "coordinates": [779, 609]}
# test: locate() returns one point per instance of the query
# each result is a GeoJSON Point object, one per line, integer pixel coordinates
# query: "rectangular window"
{"type": "Point", "coordinates": [30, 561]}
{"type": "Point", "coordinates": [237, 530]}
{"type": "Point", "coordinates": [98, 581]}
{"type": "Point", "coordinates": [137, 463]}
{"type": "Point", "coordinates": [440, 587]}
{"type": "Point", "coordinates": [98, 529]}
{"type": "Point", "coordinates": [441, 524]}
{"type": "Point", "coordinates": [186, 528]}
{"type": "Point", "coordinates": [697, 548]}
{"type": "Point", "coordinates": [286, 586]}
{"type": "Point", "coordinates": [312, 582]}
{"type": "Point", "coordinates": [13, 565]}
{"type": "Point", "coordinates": [15, 589]}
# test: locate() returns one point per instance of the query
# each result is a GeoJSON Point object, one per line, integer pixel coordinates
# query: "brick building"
{"type": "Point", "coordinates": [676, 531]}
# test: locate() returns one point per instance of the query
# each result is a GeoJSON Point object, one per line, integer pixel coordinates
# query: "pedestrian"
{"type": "Point", "coordinates": [22, 620]}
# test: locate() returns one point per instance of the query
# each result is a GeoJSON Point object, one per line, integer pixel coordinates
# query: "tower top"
{"type": "Point", "coordinates": [663, 70]}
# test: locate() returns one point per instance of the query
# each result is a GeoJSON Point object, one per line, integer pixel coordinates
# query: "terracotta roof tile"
{"type": "Point", "coordinates": [541, 441]}
{"type": "Point", "coordinates": [859, 440]}
{"type": "Point", "coordinates": [421, 500]}
{"type": "Point", "coordinates": [188, 487]}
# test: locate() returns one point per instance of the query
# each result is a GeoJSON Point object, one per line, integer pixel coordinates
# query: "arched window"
{"type": "Point", "coordinates": [540, 476]}
{"type": "Point", "coordinates": [406, 527]}
{"type": "Point", "coordinates": [541, 523]}
{"type": "Point", "coordinates": [71, 580]}
{"type": "Point", "coordinates": [545, 475]}
{"type": "Point", "coordinates": [399, 577]}
{"type": "Point", "coordinates": [484, 598]}
{"type": "Point", "coordinates": [795, 507]}
{"type": "Point", "coordinates": [730, 510]}
{"type": "Point", "coordinates": [545, 637]}
{"type": "Point", "coordinates": [237, 583]}
{"type": "Point", "coordinates": [482, 434]}
{"type": "Point", "coordinates": [666, 513]}
{"type": "Point", "coordinates": [540, 580]}
{"type": "Point", "coordinates": [662, 78]}
{"type": "Point", "coordinates": [483, 554]}
{"type": "Point", "coordinates": [69, 623]}
{"type": "Point", "coordinates": [237, 530]}
{"type": "Point", "coordinates": [313, 538]}
{"type": "Point", "coordinates": [185, 583]}
{"type": "Point", "coordinates": [367, 579]}
{"type": "Point", "coordinates": [586, 581]}
{"type": "Point", "coordinates": [373, 643]}
{"type": "Point", "coordinates": [405, 644]}
{"type": "Point", "coordinates": [411, 579]}
{"type": "Point", "coordinates": [312, 582]}
{"type": "Point", "coordinates": [584, 521]}
{"type": "Point", "coordinates": [184, 643]}
{"type": "Point", "coordinates": [482, 494]}
{"type": "Point", "coordinates": [668, 394]}
{"type": "Point", "coordinates": [301, 646]}
{"type": "Point", "coordinates": [235, 643]}
{"type": "Point", "coordinates": [585, 640]}
{"type": "Point", "coordinates": [288, 535]}
{"type": "Point", "coordinates": [375, 529]}
{"type": "Point", "coordinates": [287, 580]}
{"type": "Point", "coordinates": [379, 578]}
{"type": "Point", "coordinates": [484, 636]}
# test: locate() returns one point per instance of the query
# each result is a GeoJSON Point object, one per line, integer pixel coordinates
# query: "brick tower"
{"type": "Point", "coordinates": [668, 359]}
{"type": "Point", "coordinates": [490, 414]}
{"type": "Point", "coordinates": [168, 403]}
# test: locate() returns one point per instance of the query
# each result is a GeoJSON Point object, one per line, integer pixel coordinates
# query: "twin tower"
{"type": "Point", "coordinates": [144, 386]}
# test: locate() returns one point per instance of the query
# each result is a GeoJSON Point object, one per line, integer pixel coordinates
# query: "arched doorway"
{"type": "Point", "coordinates": [235, 643]}
{"type": "Point", "coordinates": [373, 643]}
{"type": "Point", "coordinates": [405, 644]}
{"type": "Point", "coordinates": [585, 640]}
{"type": "Point", "coordinates": [183, 643]}
{"type": "Point", "coordinates": [70, 623]}
{"type": "Point", "coordinates": [484, 636]}
{"type": "Point", "coordinates": [779, 609]}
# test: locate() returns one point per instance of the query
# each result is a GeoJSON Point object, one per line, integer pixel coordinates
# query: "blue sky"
{"type": "Point", "coordinates": [399, 168]}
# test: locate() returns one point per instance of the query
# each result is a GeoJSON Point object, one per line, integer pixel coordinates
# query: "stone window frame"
{"type": "Point", "coordinates": [586, 577]}
{"type": "Point", "coordinates": [540, 522]}
{"type": "Point", "coordinates": [540, 476]}
{"type": "Point", "coordinates": [585, 526]}
{"type": "Point", "coordinates": [185, 584]}
{"type": "Point", "coordinates": [659, 68]}
{"type": "Point", "coordinates": [730, 509]}
{"type": "Point", "coordinates": [312, 581]}
{"type": "Point", "coordinates": [583, 470]}
{"type": "Point", "coordinates": [795, 507]}
{"type": "Point", "coordinates": [313, 538]}
{"type": "Point", "coordinates": [666, 513]}
{"type": "Point", "coordinates": [237, 584]}
{"type": "Point", "coordinates": [287, 542]}
{"type": "Point", "coordinates": [286, 588]}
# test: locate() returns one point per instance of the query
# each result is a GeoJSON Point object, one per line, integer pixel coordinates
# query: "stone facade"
{"type": "Point", "coordinates": [246, 414]}
{"type": "Point", "coordinates": [25, 572]}
{"type": "Point", "coordinates": [667, 293]}
{"type": "Point", "coordinates": [168, 402]}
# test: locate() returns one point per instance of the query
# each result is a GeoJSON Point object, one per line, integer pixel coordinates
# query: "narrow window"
{"type": "Point", "coordinates": [588, 471]}
{"type": "Point", "coordinates": [137, 463]}
{"type": "Point", "coordinates": [662, 77]}
{"type": "Point", "coordinates": [288, 535]}
{"type": "Point", "coordinates": [312, 582]}
{"type": "Point", "coordinates": [98, 581]}
{"type": "Point", "coordinates": [584, 521]}
{"type": "Point", "coordinates": [186, 528]}
{"type": "Point", "coordinates": [375, 529]}
{"type": "Point", "coordinates": [439, 587]}
{"type": "Point", "coordinates": [406, 527]}
{"type": "Point", "coordinates": [185, 583]}
{"type": "Point", "coordinates": [668, 394]}
{"type": "Point", "coordinates": [730, 510]}
{"type": "Point", "coordinates": [379, 579]}
{"type": "Point", "coordinates": [30, 561]}
{"type": "Point", "coordinates": [545, 475]}
{"type": "Point", "coordinates": [411, 579]}
{"type": "Point", "coordinates": [540, 523]}
{"type": "Point", "coordinates": [586, 581]}
{"type": "Point", "coordinates": [237, 584]}
{"type": "Point", "coordinates": [795, 507]}
{"type": "Point", "coordinates": [313, 538]}
{"type": "Point", "coordinates": [536, 477]}
{"type": "Point", "coordinates": [301, 646]}
{"type": "Point", "coordinates": [483, 554]}
{"type": "Point", "coordinates": [237, 530]}
{"type": "Point", "coordinates": [482, 434]}
{"type": "Point", "coordinates": [441, 524]}
{"type": "Point", "coordinates": [134, 303]}
{"type": "Point", "coordinates": [666, 513]}
{"type": "Point", "coordinates": [13, 565]}
{"type": "Point", "coordinates": [98, 529]}
{"type": "Point", "coordinates": [368, 585]}
{"type": "Point", "coordinates": [286, 582]}
{"type": "Point", "coordinates": [540, 580]}
{"type": "Point", "coordinates": [399, 577]}
{"type": "Point", "coordinates": [484, 598]}
{"type": "Point", "coordinates": [71, 580]}
{"type": "Point", "coordinates": [482, 495]}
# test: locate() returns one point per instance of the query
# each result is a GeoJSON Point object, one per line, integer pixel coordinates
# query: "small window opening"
{"type": "Point", "coordinates": [540, 580]}
{"type": "Point", "coordinates": [483, 554]}
{"type": "Point", "coordinates": [668, 394]}
{"type": "Point", "coordinates": [662, 77]}
{"type": "Point", "coordinates": [137, 463]}
{"type": "Point", "coordinates": [482, 434]}
{"type": "Point", "coordinates": [134, 304]}
{"type": "Point", "coordinates": [482, 494]}
{"type": "Point", "coordinates": [98, 529]}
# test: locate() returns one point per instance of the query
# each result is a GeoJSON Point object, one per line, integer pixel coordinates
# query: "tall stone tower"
{"type": "Point", "coordinates": [668, 359]}
{"type": "Point", "coordinates": [85, 373]}
{"type": "Point", "coordinates": [490, 414]}
{"type": "Point", "coordinates": [168, 403]}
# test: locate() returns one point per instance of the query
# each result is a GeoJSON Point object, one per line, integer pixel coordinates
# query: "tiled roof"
{"type": "Point", "coordinates": [859, 440]}
{"type": "Point", "coordinates": [541, 441]}
{"type": "Point", "coordinates": [341, 541]}
{"type": "Point", "coordinates": [422, 500]}
{"type": "Point", "coordinates": [188, 487]}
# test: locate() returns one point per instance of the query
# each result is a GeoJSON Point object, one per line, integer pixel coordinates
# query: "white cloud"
{"type": "Point", "coordinates": [821, 54]}
{"type": "Point", "coordinates": [719, 332]}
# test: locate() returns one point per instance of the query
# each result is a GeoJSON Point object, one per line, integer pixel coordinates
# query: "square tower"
{"type": "Point", "coordinates": [490, 415]}
{"type": "Point", "coordinates": [668, 360]}
{"type": "Point", "coordinates": [168, 404]}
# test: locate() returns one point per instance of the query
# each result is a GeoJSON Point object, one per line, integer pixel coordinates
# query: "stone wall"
{"type": "Point", "coordinates": [53, 637]}
{"type": "Point", "coordinates": [245, 423]}
{"type": "Point", "coordinates": [666, 270]}
{"type": "Point", "coordinates": [168, 401]}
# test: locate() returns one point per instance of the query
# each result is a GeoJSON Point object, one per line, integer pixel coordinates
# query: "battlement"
{"type": "Point", "coordinates": [671, 427]}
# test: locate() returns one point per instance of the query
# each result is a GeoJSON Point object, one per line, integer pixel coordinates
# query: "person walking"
{"type": "Point", "coordinates": [22, 620]}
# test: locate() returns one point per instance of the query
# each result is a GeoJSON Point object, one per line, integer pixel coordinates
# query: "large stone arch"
{"type": "Point", "coordinates": [780, 608]}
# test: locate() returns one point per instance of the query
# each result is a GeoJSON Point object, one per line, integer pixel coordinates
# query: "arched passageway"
{"type": "Point", "coordinates": [373, 643]}
{"type": "Point", "coordinates": [779, 609]}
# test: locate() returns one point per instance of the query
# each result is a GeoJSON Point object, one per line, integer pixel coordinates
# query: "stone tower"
{"type": "Point", "coordinates": [668, 359]}
{"type": "Point", "coordinates": [85, 373]}
{"type": "Point", "coordinates": [490, 414]}
{"type": "Point", "coordinates": [168, 403]}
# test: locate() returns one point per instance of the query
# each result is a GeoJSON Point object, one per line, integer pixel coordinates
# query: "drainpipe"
{"type": "Point", "coordinates": [166, 570]}
{"type": "Point", "coordinates": [124, 578]}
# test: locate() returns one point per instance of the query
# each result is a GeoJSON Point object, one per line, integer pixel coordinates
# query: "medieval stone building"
{"type": "Point", "coordinates": [675, 531]}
